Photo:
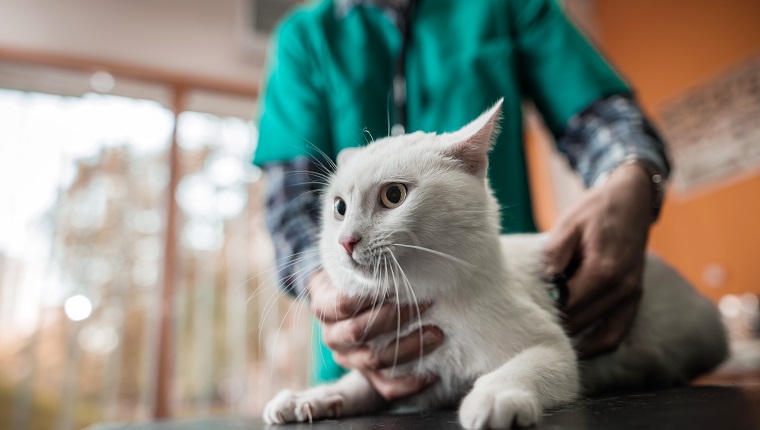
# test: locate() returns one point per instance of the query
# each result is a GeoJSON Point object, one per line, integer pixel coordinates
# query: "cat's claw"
{"type": "Point", "coordinates": [280, 409]}
{"type": "Point", "coordinates": [307, 408]}
{"type": "Point", "coordinates": [290, 406]}
{"type": "Point", "coordinates": [499, 409]}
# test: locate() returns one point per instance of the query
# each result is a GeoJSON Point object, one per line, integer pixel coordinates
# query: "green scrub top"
{"type": "Point", "coordinates": [329, 78]}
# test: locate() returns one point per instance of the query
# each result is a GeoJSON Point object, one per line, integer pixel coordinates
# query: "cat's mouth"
{"type": "Point", "coordinates": [371, 265]}
{"type": "Point", "coordinates": [363, 266]}
{"type": "Point", "coordinates": [358, 266]}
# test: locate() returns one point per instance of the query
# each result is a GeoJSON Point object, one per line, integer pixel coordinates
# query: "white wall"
{"type": "Point", "coordinates": [188, 36]}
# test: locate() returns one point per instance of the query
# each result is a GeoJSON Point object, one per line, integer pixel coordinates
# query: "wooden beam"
{"type": "Point", "coordinates": [132, 71]}
{"type": "Point", "coordinates": [167, 342]}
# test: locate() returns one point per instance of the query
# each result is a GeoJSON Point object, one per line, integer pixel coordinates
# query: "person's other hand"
{"type": "Point", "coordinates": [600, 245]}
{"type": "Point", "coordinates": [348, 324]}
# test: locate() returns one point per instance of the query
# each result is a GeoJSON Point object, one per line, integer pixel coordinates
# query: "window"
{"type": "Point", "coordinates": [85, 189]}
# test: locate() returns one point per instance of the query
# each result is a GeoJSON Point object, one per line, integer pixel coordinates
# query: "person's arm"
{"type": "Point", "coordinates": [292, 213]}
{"type": "Point", "coordinates": [599, 243]}
{"type": "Point", "coordinates": [623, 161]}
{"type": "Point", "coordinates": [293, 135]}
{"type": "Point", "coordinates": [612, 132]}
{"type": "Point", "coordinates": [588, 107]}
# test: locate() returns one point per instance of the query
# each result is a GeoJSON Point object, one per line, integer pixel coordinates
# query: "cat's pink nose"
{"type": "Point", "coordinates": [348, 243]}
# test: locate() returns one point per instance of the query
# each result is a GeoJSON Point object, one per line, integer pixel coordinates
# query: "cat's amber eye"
{"type": "Point", "coordinates": [339, 208]}
{"type": "Point", "coordinates": [392, 195]}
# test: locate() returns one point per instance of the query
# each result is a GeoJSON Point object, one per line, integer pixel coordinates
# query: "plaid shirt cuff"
{"type": "Point", "coordinates": [612, 131]}
{"type": "Point", "coordinates": [292, 218]}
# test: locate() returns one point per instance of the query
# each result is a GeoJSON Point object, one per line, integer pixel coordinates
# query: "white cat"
{"type": "Point", "coordinates": [505, 353]}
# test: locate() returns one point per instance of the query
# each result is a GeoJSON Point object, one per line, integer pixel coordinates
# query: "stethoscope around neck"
{"type": "Point", "coordinates": [404, 15]}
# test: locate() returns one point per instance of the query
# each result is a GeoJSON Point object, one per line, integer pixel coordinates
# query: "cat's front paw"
{"type": "Point", "coordinates": [496, 408]}
{"type": "Point", "coordinates": [290, 406]}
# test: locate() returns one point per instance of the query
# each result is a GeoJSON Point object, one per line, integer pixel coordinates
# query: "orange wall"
{"type": "Point", "coordinates": [664, 48]}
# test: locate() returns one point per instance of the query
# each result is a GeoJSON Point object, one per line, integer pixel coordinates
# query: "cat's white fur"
{"type": "Point", "coordinates": [505, 356]}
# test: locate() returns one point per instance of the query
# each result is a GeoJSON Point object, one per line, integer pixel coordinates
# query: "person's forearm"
{"type": "Point", "coordinates": [292, 213]}
{"type": "Point", "coordinates": [611, 132]}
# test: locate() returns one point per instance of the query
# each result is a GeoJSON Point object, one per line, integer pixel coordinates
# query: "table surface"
{"type": "Point", "coordinates": [730, 406]}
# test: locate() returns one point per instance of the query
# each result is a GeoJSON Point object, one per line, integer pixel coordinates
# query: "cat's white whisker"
{"type": "Point", "coordinates": [366, 130]}
{"type": "Point", "coordinates": [309, 178]}
{"type": "Point", "coordinates": [398, 339]}
{"type": "Point", "coordinates": [375, 301]}
{"type": "Point", "coordinates": [270, 304]}
{"type": "Point", "coordinates": [398, 322]}
{"type": "Point", "coordinates": [302, 305]}
{"type": "Point", "coordinates": [305, 193]}
{"type": "Point", "coordinates": [416, 305]}
{"type": "Point", "coordinates": [298, 304]}
{"type": "Point", "coordinates": [279, 329]}
{"type": "Point", "coordinates": [329, 160]}
{"type": "Point", "coordinates": [302, 256]}
{"type": "Point", "coordinates": [275, 295]}
{"type": "Point", "coordinates": [308, 173]}
{"type": "Point", "coordinates": [305, 271]}
{"type": "Point", "coordinates": [301, 184]}
{"type": "Point", "coordinates": [299, 255]}
{"type": "Point", "coordinates": [411, 234]}
{"type": "Point", "coordinates": [388, 113]}
{"type": "Point", "coordinates": [438, 253]}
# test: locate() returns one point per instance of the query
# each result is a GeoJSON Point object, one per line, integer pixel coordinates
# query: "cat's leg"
{"type": "Point", "coordinates": [537, 378]}
{"type": "Point", "coordinates": [350, 395]}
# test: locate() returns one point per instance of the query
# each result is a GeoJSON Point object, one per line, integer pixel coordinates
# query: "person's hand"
{"type": "Point", "coordinates": [600, 245]}
{"type": "Point", "coordinates": [348, 324]}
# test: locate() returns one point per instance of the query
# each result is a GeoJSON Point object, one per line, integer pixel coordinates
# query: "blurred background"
{"type": "Point", "coordinates": [135, 272]}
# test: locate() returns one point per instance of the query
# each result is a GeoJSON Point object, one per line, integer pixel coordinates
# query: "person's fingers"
{"type": "Point", "coordinates": [559, 250]}
{"type": "Point", "coordinates": [590, 281]}
{"type": "Point", "coordinates": [349, 333]}
{"type": "Point", "coordinates": [410, 347]}
{"type": "Point", "coordinates": [395, 388]}
{"type": "Point", "coordinates": [594, 292]}
{"type": "Point", "coordinates": [389, 317]}
{"type": "Point", "coordinates": [609, 334]}
{"type": "Point", "coordinates": [584, 289]}
{"type": "Point", "coordinates": [582, 318]}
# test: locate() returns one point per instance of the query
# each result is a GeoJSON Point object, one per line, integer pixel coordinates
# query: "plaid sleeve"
{"type": "Point", "coordinates": [292, 218]}
{"type": "Point", "coordinates": [610, 132]}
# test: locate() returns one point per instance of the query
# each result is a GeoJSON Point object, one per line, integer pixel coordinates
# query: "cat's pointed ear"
{"type": "Point", "coordinates": [345, 155]}
{"type": "Point", "coordinates": [471, 143]}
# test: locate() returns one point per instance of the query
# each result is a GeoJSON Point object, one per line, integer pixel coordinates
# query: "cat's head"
{"type": "Point", "coordinates": [413, 209]}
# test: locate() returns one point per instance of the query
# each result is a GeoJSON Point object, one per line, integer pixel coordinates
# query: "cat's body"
{"type": "Point", "coordinates": [505, 352]}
